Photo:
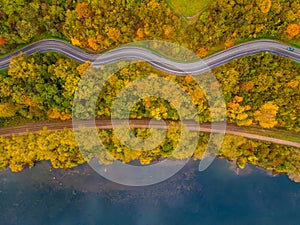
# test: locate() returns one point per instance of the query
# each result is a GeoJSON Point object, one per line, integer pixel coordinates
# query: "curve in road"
{"type": "Point", "coordinates": [159, 62]}
{"type": "Point", "coordinates": [177, 68]}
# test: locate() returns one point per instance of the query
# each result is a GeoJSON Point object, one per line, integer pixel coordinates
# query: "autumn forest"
{"type": "Point", "coordinates": [261, 90]}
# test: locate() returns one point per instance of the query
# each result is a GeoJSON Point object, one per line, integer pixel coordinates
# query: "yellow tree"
{"type": "Point", "coordinates": [56, 114]}
{"type": "Point", "coordinates": [113, 33]}
{"type": "Point", "coordinates": [266, 115]}
{"type": "Point", "coordinates": [82, 10]}
{"type": "Point", "coordinates": [168, 30]}
{"type": "Point", "coordinates": [246, 86]}
{"type": "Point", "coordinates": [265, 6]}
{"type": "Point", "coordinates": [201, 52]}
{"type": "Point", "coordinates": [92, 43]}
{"type": "Point", "coordinates": [229, 43]}
{"type": "Point", "coordinates": [82, 68]}
{"type": "Point", "coordinates": [140, 33]}
{"type": "Point", "coordinates": [238, 113]}
{"type": "Point", "coordinates": [75, 42]}
{"type": "Point", "coordinates": [7, 110]}
{"type": "Point", "coordinates": [101, 41]}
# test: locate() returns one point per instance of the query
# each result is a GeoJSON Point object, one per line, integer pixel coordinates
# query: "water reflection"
{"type": "Point", "coordinates": [215, 196]}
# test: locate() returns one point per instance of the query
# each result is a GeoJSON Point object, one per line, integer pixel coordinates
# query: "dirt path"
{"type": "Point", "coordinates": [277, 136]}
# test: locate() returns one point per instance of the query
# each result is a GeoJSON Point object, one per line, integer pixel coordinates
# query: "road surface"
{"type": "Point", "coordinates": [159, 62]}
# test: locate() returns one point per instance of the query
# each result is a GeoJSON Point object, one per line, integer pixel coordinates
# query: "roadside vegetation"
{"type": "Point", "coordinates": [101, 25]}
{"type": "Point", "coordinates": [61, 149]}
{"type": "Point", "coordinates": [259, 90]}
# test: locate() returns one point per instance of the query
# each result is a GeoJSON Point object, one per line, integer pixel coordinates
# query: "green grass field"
{"type": "Point", "coordinates": [296, 44]}
{"type": "Point", "coordinates": [188, 8]}
{"type": "Point", "coordinates": [3, 72]}
{"type": "Point", "coordinates": [278, 133]}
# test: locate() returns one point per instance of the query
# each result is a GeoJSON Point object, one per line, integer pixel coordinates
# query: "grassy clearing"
{"type": "Point", "coordinates": [3, 72]}
{"type": "Point", "coordinates": [296, 44]}
{"type": "Point", "coordinates": [297, 64]}
{"type": "Point", "coordinates": [294, 139]}
{"type": "Point", "coordinates": [188, 8]}
{"type": "Point", "coordinates": [278, 133]}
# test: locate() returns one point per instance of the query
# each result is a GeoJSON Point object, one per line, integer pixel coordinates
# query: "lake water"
{"type": "Point", "coordinates": [215, 196]}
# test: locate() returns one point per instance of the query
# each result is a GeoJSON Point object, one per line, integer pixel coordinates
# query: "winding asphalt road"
{"type": "Point", "coordinates": [159, 62]}
{"type": "Point", "coordinates": [166, 65]}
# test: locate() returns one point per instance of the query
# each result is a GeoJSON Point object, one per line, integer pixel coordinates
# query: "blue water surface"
{"type": "Point", "coordinates": [81, 197]}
